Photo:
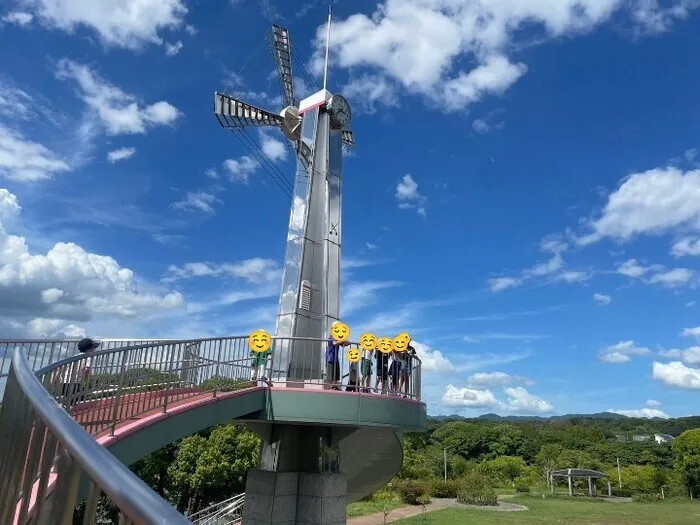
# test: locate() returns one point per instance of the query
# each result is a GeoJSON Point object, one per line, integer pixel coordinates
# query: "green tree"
{"type": "Point", "coordinates": [547, 459]}
{"type": "Point", "coordinates": [686, 450]}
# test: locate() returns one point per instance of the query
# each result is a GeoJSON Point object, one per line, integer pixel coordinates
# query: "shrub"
{"type": "Point", "coordinates": [646, 498]}
{"type": "Point", "coordinates": [622, 493]}
{"type": "Point", "coordinates": [522, 489]}
{"type": "Point", "coordinates": [441, 488]}
{"type": "Point", "coordinates": [476, 490]}
{"type": "Point", "coordinates": [225, 384]}
{"type": "Point", "coordinates": [482, 497]}
{"type": "Point", "coordinates": [413, 492]}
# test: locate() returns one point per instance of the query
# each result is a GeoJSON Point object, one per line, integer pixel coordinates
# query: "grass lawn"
{"type": "Point", "coordinates": [571, 512]}
{"type": "Point", "coordinates": [363, 508]}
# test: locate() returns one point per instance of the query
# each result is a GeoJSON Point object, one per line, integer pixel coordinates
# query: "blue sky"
{"type": "Point", "coordinates": [524, 197]}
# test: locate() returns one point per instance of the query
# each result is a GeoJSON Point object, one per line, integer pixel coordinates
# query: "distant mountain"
{"type": "Point", "coordinates": [496, 417]}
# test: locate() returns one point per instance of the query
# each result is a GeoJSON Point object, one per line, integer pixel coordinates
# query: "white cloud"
{"type": "Point", "coordinates": [67, 283]}
{"type": "Point", "coordinates": [273, 148]}
{"type": "Point", "coordinates": [658, 274]}
{"type": "Point", "coordinates": [15, 103]}
{"type": "Point", "coordinates": [51, 295]}
{"type": "Point", "coordinates": [691, 356]}
{"type": "Point", "coordinates": [642, 412]}
{"type": "Point", "coordinates": [498, 284]}
{"type": "Point", "coordinates": [197, 201]}
{"type": "Point", "coordinates": [369, 91]}
{"type": "Point", "coordinates": [553, 270]}
{"type": "Point", "coordinates": [686, 246]}
{"type": "Point", "coordinates": [622, 352]}
{"type": "Point", "coordinates": [602, 299]}
{"type": "Point", "coordinates": [480, 126]}
{"type": "Point", "coordinates": [469, 398]}
{"type": "Point", "coordinates": [673, 278]}
{"type": "Point", "coordinates": [518, 401]}
{"type": "Point", "coordinates": [432, 360]}
{"type": "Point", "coordinates": [408, 195]}
{"type": "Point", "coordinates": [691, 332]}
{"type": "Point", "coordinates": [357, 295]}
{"type": "Point", "coordinates": [120, 154]}
{"type": "Point", "coordinates": [371, 246]}
{"type": "Point", "coordinates": [425, 45]}
{"type": "Point", "coordinates": [254, 271]}
{"type": "Point", "coordinates": [173, 49]}
{"type": "Point", "coordinates": [522, 401]}
{"type": "Point", "coordinates": [24, 160]}
{"type": "Point", "coordinates": [632, 268]}
{"type": "Point", "coordinates": [677, 374]}
{"type": "Point", "coordinates": [19, 18]}
{"type": "Point", "coordinates": [673, 353]}
{"type": "Point", "coordinates": [481, 379]}
{"type": "Point", "coordinates": [54, 328]}
{"type": "Point", "coordinates": [240, 170]}
{"type": "Point", "coordinates": [129, 24]}
{"type": "Point", "coordinates": [653, 18]}
{"type": "Point", "coordinates": [653, 403]}
{"type": "Point", "coordinates": [120, 112]}
{"type": "Point", "coordinates": [652, 202]}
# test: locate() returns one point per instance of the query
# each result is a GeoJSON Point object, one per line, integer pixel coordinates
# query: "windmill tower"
{"type": "Point", "coordinates": [318, 127]}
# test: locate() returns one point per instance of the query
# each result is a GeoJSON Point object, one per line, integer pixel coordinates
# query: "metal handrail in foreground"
{"type": "Point", "coordinates": [34, 430]}
{"type": "Point", "coordinates": [221, 513]}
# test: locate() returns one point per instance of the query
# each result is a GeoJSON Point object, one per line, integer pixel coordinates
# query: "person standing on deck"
{"type": "Point", "coordinates": [333, 359]}
{"type": "Point", "coordinates": [259, 363]}
{"type": "Point", "coordinates": [76, 375]}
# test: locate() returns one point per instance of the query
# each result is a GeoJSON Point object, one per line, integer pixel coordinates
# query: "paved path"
{"type": "Point", "coordinates": [437, 504]}
{"type": "Point", "coordinates": [403, 512]}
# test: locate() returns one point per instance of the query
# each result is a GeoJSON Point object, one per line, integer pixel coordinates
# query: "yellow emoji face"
{"type": "Point", "coordinates": [401, 342]}
{"type": "Point", "coordinates": [385, 345]}
{"type": "Point", "coordinates": [340, 331]}
{"type": "Point", "coordinates": [354, 355]}
{"type": "Point", "coordinates": [259, 341]}
{"type": "Point", "coordinates": [368, 341]}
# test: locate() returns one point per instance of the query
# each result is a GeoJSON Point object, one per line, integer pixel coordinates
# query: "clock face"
{"type": "Point", "coordinates": [339, 109]}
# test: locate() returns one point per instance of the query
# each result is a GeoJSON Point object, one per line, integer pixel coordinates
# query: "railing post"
{"type": "Point", "coordinates": [170, 373]}
{"type": "Point", "coordinates": [122, 369]}
{"type": "Point", "coordinates": [218, 364]}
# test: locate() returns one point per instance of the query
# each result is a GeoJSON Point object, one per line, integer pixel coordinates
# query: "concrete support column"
{"type": "Point", "coordinates": [322, 499]}
{"type": "Point", "coordinates": [590, 487]}
{"type": "Point", "coordinates": [609, 489]}
{"type": "Point", "coordinates": [571, 485]}
{"type": "Point", "coordinates": [294, 498]}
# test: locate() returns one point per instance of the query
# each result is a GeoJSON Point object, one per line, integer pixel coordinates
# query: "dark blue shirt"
{"type": "Point", "coordinates": [331, 351]}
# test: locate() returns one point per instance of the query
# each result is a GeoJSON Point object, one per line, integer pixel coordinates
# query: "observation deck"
{"type": "Point", "coordinates": [69, 435]}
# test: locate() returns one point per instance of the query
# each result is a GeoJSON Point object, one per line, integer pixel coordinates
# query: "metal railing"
{"type": "Point", "coordinates": [43, 352]}
{"type": "Point", "coordinates": [225, 512]}
{"type": "Point", "coordinates": [45, 454]}
{"type": "Point", "coordinates": [103, 388]}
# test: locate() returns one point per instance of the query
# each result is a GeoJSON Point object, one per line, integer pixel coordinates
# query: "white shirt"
{"type": "Point", "coordinates": [83, 368]}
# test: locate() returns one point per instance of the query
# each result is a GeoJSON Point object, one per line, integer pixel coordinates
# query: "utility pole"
{"type": "Point", "coordinates": [619, 476]}
{"type": "Point", "coordinates": [444, 452]}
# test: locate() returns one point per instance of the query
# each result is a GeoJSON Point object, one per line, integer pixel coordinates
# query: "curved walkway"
{"type": "Point", "coordinates": [436, 504]}
{"type": "Point", "coordinates": [402, 512]}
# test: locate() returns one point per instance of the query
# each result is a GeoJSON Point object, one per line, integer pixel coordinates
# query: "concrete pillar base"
{"type": "Point", "coordinates": [294, 498]}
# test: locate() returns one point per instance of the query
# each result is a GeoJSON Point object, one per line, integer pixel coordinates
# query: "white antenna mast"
{"type": "Point", "coordinates": [328, 45]}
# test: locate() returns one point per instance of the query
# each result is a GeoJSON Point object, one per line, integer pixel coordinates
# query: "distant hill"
{"type": "Point", "coordinates": [496, 417]}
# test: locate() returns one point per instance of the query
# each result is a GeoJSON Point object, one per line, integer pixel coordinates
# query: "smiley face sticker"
{"type": "Point", "coordinates": [385, 345]}
{"type": "Point", "coordinates": [368, 341]}
{"type": "Point", "coordinates": [401, 342]}
{"type": "Point", "coordinates": [259, 341]}
{"type": "Point", "coordinates": [353, 355]}
{"type": "Point", "coordinates": [340, 331]}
